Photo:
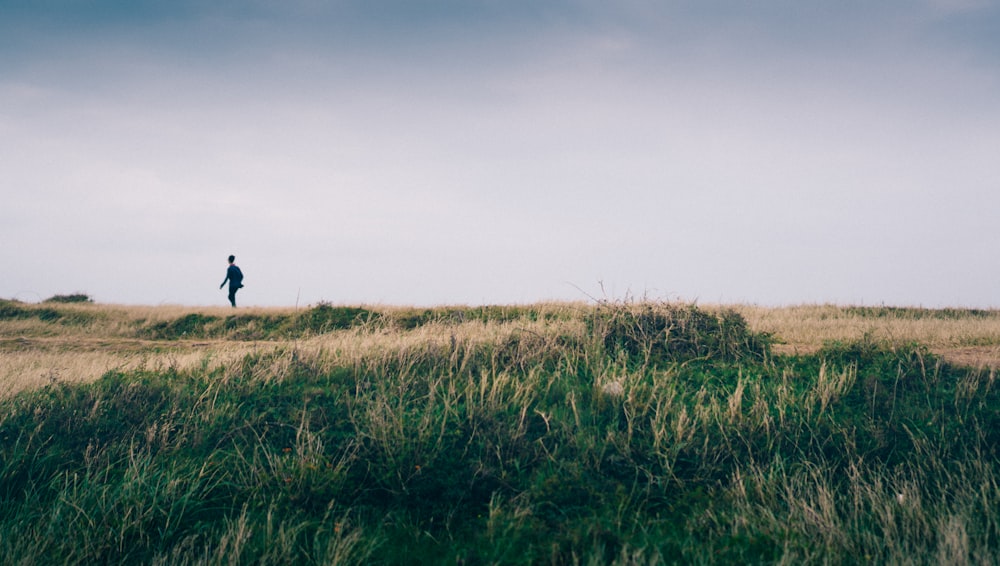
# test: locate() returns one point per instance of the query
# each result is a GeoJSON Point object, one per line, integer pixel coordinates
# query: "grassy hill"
{"type": "Point", "coordinates": [628, 433]}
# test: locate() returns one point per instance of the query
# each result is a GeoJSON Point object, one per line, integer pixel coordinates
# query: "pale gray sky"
{"type": "Point", "coordinates": [446, 152]}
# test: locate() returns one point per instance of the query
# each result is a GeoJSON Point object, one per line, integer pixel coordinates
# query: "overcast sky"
{"type": "Point", "coordinates": [501, 151]}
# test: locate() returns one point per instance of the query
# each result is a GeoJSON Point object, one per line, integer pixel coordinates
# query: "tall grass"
{"type": "Point", "coordinates": [614, 433]}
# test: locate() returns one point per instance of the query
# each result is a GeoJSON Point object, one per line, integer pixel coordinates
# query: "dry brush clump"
{"type": "Point", "coordinates": [656, 333]}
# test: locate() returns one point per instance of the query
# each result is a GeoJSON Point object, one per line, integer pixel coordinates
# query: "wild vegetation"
{"type": "Point", "coordinates": [625, 433]}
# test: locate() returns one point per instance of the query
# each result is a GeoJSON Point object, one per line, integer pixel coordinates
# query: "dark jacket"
{"type": "Point", "coordinates": [234, 276]}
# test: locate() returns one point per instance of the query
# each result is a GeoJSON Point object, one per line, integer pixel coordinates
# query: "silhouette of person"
{"type": "Point", "coordinates": [235, 278]}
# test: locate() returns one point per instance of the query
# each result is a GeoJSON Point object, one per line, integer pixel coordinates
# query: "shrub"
{"type": "Point", "coordinates": [325, 317]}
{"type": "Point", "coordinates": [658, 333]}
{"type": "Point", "coordinates": [190, 325]}
{"type": "Point", "coordinates": [72, 298]}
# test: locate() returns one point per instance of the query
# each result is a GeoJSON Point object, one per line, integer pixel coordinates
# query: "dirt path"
{"type": "Point", "coordinates": [972, 356]}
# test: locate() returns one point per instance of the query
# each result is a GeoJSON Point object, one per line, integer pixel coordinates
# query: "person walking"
{"type": "Point", "coordinates": [235, 278]}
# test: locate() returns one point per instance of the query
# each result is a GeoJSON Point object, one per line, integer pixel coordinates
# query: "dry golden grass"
{"type": "Point", "coordinates": [28, 363]}
{"type": "Point", "coordinates": [34, 352]}
{"type": "Point", "coordinates": [964, 337]}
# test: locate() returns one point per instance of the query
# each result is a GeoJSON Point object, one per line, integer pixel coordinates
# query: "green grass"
{"type": "Point", "coordinates": [710, 450]}
{"type": "Point", "coordinates": [915, 313]}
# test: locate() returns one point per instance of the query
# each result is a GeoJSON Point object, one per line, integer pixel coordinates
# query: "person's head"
{"type": "Point", "coordinates": [232, 258]}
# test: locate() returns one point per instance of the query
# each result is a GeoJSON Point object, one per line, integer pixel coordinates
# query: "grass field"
{"type": "Point", "coordinates": [564, 433]}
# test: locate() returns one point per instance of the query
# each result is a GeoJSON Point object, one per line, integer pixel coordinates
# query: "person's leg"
{"type": "Point", "coordinates": [232, 296]}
